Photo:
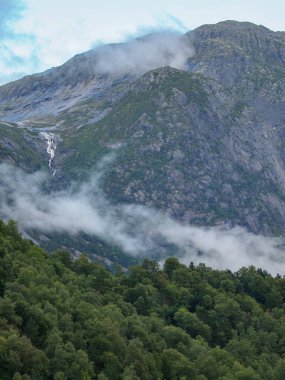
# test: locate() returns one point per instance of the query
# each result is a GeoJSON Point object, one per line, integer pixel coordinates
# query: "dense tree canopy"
{"type": "Point", "coordinates": [61, 319]}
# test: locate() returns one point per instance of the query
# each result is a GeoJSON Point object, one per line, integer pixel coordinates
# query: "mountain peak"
{"type": "Point", "coordinates": [204, 144]}
{"type": "Point", "coordinates": [228, 27]}
{"type": "Point", "coordinates": [228, 51]}
{"type": "Point", "coordinates": [244, 35]}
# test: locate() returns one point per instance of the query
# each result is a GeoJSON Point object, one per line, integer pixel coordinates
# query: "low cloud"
{"type": "Point", "coordinates": [138, 230]}
{"type": "Point", "coordinates": [142, 54]}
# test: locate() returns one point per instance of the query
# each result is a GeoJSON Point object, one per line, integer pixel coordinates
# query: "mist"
{"type": "Point", "coordinates": [142, 54]}
{"type": "Point", "coordinates": [138, 230]}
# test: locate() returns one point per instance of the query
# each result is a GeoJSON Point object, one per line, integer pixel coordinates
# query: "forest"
{"type": "Point", "coordinates": [73, 319]}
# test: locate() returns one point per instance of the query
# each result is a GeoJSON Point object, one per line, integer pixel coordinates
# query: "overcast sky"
{"type": "Point", "coordinates": [38, 34]}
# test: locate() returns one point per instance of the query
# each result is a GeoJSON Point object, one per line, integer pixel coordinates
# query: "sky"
{"type": "Point", "coordinates": [38, 34]}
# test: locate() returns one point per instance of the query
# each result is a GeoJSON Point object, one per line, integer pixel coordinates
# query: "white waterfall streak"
{"type": "Point", "coordinates": [51, 147]}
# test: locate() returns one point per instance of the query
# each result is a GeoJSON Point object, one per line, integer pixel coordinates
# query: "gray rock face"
{"type": "Point", "coordinates": [206, 145]}
{"type": "Point", "coordinates": [57, 89]}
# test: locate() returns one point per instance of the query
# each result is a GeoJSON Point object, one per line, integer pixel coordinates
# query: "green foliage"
{"type": "Point", "coordinates": [63, 319]}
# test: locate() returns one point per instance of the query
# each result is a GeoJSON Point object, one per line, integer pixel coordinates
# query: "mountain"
{"type": "Point", "coordinates": [203, 143]}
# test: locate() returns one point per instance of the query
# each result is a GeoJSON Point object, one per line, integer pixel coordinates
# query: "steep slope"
{"type": "Point", "coordinates": [204, 144]}
{"type": "Point", "coordinates": [49, 93]}
{"type": "Point", "coordinates": [190, 147]}
{"type": "Point", "coordinates": [238, 54]}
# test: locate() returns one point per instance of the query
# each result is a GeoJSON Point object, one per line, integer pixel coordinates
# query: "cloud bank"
{"type": "Point", "coordinates": [138, 230]}
{"type": "Point", "coordinates": [145, 53]}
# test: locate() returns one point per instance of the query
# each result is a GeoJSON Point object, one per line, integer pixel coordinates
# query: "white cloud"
{"type": "Point", "coordinates": [138, 230]}
{"type": "Point", "coordinates": [145, 53]}
{"type": "Point", "coordinates": [17, 50]}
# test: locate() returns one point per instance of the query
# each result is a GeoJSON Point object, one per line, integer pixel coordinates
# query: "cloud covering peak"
{"type": "Point", "coordinates": [139, 55]}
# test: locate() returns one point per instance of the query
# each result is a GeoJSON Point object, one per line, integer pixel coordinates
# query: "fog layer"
{"type": "Point", "coordinates": [138, 230]}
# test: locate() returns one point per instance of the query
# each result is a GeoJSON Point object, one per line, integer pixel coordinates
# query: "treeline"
{"type": "Point", "coordinates": [61, 319]}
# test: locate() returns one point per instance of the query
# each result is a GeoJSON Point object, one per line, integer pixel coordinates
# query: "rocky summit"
{"type": "Point", "coordinates": [204, 143]}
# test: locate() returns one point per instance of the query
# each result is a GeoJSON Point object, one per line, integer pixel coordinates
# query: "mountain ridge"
{"type": "Point", "coordinates": [203, 144]}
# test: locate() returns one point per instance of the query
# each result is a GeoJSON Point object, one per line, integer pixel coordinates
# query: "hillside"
{"type": "Point", "coordinates": [64, 319]}
{"type": "Point", "coordinates": [203, 144]}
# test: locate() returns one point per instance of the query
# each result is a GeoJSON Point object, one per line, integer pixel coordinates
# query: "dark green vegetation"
{"type": "Point", "coordinates": [75, 320]}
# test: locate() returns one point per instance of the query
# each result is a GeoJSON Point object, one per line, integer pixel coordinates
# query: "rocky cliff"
{"type": "Point", "coordinates": [204, 144]}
